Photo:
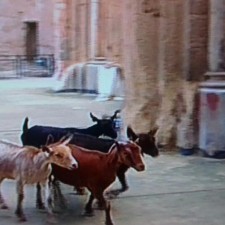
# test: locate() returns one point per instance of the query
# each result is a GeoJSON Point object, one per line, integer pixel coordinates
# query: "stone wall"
{"type": "Point", "coordinates": [14, 14]}
{"type": "Point", "coordinates": [165, 56]}
{"type": "Point", "coordinates": [140, 55]}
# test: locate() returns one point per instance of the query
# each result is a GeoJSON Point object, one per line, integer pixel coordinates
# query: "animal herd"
{"type": "Point", "coordinates": [81, 158]}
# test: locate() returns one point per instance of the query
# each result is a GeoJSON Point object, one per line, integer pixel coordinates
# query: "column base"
{"type": "Point", "coordinates": [216, 155]}
{"type": "Point", "coordinates": [187, 151]}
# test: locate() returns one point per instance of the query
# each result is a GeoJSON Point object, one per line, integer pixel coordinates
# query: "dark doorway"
{"type": "Point", "coordinates": [31, 39]}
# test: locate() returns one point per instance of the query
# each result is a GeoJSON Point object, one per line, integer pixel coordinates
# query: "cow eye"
{"type": "Point", "coordinates": [58, 155]}
{"type": "Point", "coordinates": [126, 154]}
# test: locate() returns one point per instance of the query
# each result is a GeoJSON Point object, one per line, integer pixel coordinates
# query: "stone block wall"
{"type": "Point", "coordinates": [14, 14]}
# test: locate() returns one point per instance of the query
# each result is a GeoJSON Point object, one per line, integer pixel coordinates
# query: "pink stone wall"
{"type": "Point", "coordinates": [110, 32]}
{"type": "Point", "coordinates": [14, 14]}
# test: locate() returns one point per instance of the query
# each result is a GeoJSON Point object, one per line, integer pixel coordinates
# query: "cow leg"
{"type": "Point", "coordinates": [106, 205]}
{"type": "Point", "coordinates": [124, 186]}
{"type": "Point", "coordinates": [39, 201]}
{"type": "Point", "coordinates": [88, 207]}
{"type": "Point", "coordinates": [47, 187]}
{"type": "Point", "coordinates": [58, 194]}
{"type": "Point", "coordinates": [2, 202]}
{"type": "Point", "coordinates": [20, 197]}
{"type": "Point", "coordinates": [122, 178]}
{"type": "Point", "coordinates": [108, 218]}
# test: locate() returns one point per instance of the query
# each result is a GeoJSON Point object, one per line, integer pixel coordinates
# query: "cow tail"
{"type": "Point", "coordinates": [25, 125]}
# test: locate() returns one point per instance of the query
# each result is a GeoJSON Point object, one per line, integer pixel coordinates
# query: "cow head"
{"type": "Point", "coordinates": [146, 141]}
{"type": "Point", "coordinates": [130, 155]}
{"type": "Point", "coordinates": [106, 125]}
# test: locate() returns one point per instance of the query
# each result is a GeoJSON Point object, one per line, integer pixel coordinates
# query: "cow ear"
{"type": "Point", "coordinates": [153, 131]}
{"type": "Point", "coordinates": [63, 138]}
{"type": "Point", "coordinates": [115, 114]}
{"type": "Point", "coordinates": [94, 118]}
{"type": "Point", "coordinates": [50, 140]}
{"type": "Point", "coordinates": [131, 134]}
{"type": "Point", "coordinates": [67, 140]}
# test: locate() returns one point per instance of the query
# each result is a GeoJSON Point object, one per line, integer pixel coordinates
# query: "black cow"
{"type": "Point", "coordinates": [37, 135]}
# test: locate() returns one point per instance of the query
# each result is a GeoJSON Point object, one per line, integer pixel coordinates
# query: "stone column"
{"type": "Point", "coordinates": [60, 37]}
{"type": "Point", "coordinates": [113, 29]}
{"type": "Point", "coordinates": [45, 27]}
{"type": "Point", "coordinates": [171, 69]}
{"type": "Point", "coordinates": [212, 91]}
{"type": "Point", "coordinates": [94, 24]}
{"type": "Point", "coordinates": [195, 65]}
{"type": "Point", "coordinates": [217, 36]}
{"type": "Point", "coordinates": [140, 57]}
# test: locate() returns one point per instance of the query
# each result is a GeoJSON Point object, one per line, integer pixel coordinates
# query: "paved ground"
{"type": "Point", "coordinates": [174, 190]}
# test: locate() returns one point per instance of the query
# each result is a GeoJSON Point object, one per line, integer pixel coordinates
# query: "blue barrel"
{"type": "Point", "coordinates": [212, 120]}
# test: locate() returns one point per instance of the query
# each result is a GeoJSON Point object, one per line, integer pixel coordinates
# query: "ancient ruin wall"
{"type": "Point", "coordinates": [140, 55]}
{"type": "Point", "coordinates": [165, 58]}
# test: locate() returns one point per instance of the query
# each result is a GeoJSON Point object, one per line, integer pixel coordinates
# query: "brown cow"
{"type": "Point", "coordinates": [98, 170]}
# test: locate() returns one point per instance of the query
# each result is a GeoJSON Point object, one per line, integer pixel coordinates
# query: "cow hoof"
{"type": "Point", "coordinates": [99, 206]}
{"type": "Point", "coordinates": [52, 220]}
{"type": "Point", "coordinates": [41, 206]}
{"type": "Point", "coordinates": [88, 214]}
{"type": "Point", "coordinates": [22, 219]}
{"type": "Point", "coordinates": [114, 193]}
{"type": "Point", "coordinates": [4, 206]}
{"type": "Point", "coordinates": [109, 223]}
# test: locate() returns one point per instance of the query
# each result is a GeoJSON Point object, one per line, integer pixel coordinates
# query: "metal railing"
{"type": "Point", "coordinates": [16, 66]}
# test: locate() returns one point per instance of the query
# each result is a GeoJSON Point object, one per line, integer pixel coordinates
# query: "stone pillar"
{"type": "Point", "coordinates": [110, 30]}
{"type": "Point", "coordinates": [171, 69]}
{"type": "Point", "coordinates": [45, 26]}
{"type": "Point", "coordinates": [140, 60]}
{"type": "Point", "coordinates": [212, 91]}
{"type": "Point", "coordinates": [94, 24]}
{"type": "Point", "coordinates": [217, 36]}
{"type": "Point", "coordinates": [60, 37]}
{"type": "Point", "coordinates": [195, 65]}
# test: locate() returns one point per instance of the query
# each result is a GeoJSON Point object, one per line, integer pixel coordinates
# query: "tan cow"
{"type": "Point", "coordinates": [30, 165]}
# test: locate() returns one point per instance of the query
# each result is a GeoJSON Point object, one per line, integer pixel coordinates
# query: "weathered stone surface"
{"type": "Point", "coordinates": [199, 7]}
{"type": "Point", "coordinates": [216, 37]}
{"type": "Point", "coordinates": [141, 64]}
{"type": "Point", "coordinates": [110, 30]}
{"type": "Point", "coordinates": [187, 124]}
{"type": "Point", "coordinates": [170, 68]}
{"type": "Point", "coordinates": [167, 46]}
